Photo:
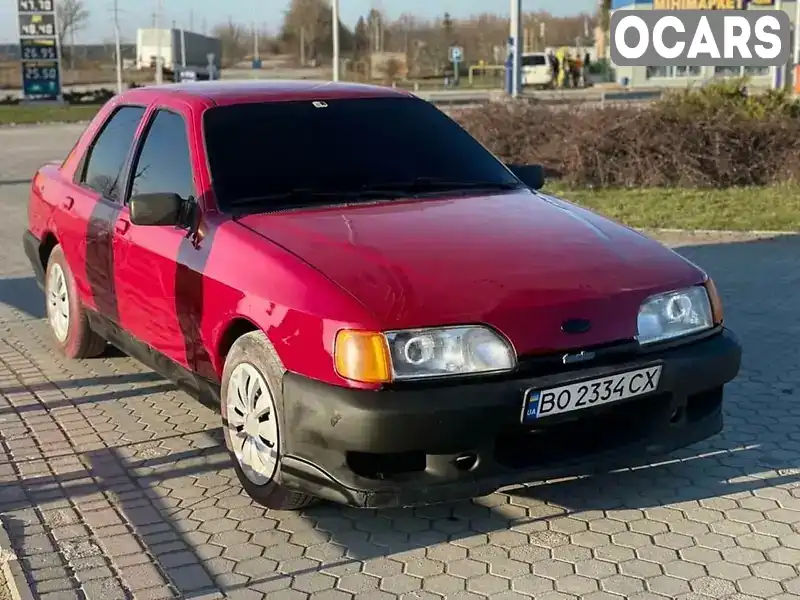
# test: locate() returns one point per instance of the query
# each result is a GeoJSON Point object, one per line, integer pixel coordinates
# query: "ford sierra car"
{"type": "Point", "coordinates": [386, 313]}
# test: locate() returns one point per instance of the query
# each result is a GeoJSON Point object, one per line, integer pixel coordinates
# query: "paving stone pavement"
{"type": "Point", "coordinates": [113, 484]}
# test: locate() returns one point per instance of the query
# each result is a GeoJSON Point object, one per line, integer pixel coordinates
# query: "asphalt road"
{"type": "Point", "coordinates": [113, 484]}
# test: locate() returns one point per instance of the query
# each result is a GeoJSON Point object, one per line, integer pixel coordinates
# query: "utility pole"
{"type": "Point", "coordinates": [777, 72]}
{"type": "Point", "coordinates": [302, 46]}
{"type": "Point", "coordinates": [159, 52]}
{"type": "Point", "coordinates": [183, 48]}
{"type": "Point", "coordinates": [335, 15]}
{"type": "Point", "coordinates": [796, 39]}
{"type": "Point", "coordinates": [118, 47]}
{"type": "Point", "coordinates": [515, 35]}
{"type": "Point", "coordinates": [255, 42]}
{"type": "Point", "coordinates": [191, 19]}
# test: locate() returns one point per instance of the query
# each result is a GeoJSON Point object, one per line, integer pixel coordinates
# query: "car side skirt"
{"type": "Point", "coordinates": [200, 388]}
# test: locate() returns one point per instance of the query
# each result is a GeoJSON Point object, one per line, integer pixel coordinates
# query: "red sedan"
{"type": "Point", "coordinates": [388, 315]}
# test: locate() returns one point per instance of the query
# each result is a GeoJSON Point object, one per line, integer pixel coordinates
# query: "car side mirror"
{"type": "Point", "coordinates": [530, 175]}
{"type": "Point", "coordinates": [157, 209]}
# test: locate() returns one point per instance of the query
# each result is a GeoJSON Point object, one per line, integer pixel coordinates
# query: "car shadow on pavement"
{"type": "Point", "coordinates": [128, 378]}
{"type": "Point", "coordinates": [24, 295]}
{"type": "Point", "coordinates": [4, 182]}
{"type": "Point", "coordinates": [184, 512]}
{"type": "Point", "coordinates": [108, 396]}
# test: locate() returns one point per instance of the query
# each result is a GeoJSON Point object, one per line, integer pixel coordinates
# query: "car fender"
{"type": "Point", "coordinates": [299, 309]}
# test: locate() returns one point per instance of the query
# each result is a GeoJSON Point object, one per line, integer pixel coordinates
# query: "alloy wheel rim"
{"type": "Point", "coordinates": [58, 302]}
{"type": "Point", "coordinates": [252, 424]}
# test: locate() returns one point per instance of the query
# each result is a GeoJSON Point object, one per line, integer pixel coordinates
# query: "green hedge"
{"type": "Point", "coordinates": [716, 136]}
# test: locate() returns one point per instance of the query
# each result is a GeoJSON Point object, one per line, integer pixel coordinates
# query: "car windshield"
{"type": "Point", "coordinates": [302, 153]}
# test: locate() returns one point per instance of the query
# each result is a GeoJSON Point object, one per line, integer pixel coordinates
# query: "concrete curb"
{"type": "Point", "coordinates": [723, 231]}
{"type": "Point", "coordinates": [41, 124]}
{"type": "Point", "coordinates": [15, 577]}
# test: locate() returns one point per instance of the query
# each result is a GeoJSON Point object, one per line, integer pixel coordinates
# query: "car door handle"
{"type": "Point", "coordinates": [122, 226]}
{"type": "Point", "coordinates": [68, 202]}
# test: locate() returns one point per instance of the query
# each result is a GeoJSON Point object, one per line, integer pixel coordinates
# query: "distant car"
{"type": "Point", "coordinates": [388, 314]}
{"type": "Point", "coordinates": [536, 70]}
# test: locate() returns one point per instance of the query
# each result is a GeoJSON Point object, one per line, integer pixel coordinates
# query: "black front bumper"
{"type": "Point", "coordinates": [424, 445]}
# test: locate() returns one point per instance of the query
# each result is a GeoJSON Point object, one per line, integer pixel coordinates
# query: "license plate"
{"type": "Point", "coordinates": [595, 392]}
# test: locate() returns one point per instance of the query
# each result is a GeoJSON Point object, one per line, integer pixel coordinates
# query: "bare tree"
{"type": "Point", "coordinates": [72, 16]}
{"type": "Point", "coordinates": [392, 69]}
{"type": "Point", "coordinates": [315, 19]}
{"type": "Point", "coordinates": [235, 42]}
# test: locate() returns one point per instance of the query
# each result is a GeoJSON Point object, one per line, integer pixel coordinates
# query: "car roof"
{"type": "Point", "coordinates": [264, 90]}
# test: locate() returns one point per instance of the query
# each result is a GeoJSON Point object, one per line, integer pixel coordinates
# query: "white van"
{"type": "Point", "coordinates": [536, 70]}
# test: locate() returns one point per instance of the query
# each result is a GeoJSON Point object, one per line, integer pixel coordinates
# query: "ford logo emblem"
{"type": "Point", "coordinates": [576, 326]}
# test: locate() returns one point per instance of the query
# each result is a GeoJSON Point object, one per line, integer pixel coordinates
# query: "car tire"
{"type": "Point", "coordinates": [66, 316]}
{"type": "Point", "coordinates": [252, 422]}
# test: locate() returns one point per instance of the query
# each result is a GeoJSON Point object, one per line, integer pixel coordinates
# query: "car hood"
{"type": "Point", "coordinates": [518, 261]}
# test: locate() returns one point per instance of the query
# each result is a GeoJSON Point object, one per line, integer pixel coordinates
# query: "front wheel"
{"type": "Point", "coordinates": [251, 421]}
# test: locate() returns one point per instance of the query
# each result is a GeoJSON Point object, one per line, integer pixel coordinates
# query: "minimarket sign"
{"type": "Point", "coordinates": [708, 4]}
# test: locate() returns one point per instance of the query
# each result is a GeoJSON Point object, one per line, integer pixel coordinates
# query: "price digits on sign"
{"type": "Point", "coordinates": [35, 5]}
{"type": "Point", "coordinates": [35, 73]}
{"type": "Point", "coordinates": [46, 29]}
{"type": "Point", "coordinates": [36, 52]}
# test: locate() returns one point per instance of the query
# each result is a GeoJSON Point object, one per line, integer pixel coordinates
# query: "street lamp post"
{"type": "Point", "coordinates": [159, 51]}
{"type": "Point", "coordinates": [335, 19]}
{"type": "Point", "coordinates": [117, 47]}
{"type": "Point", "coordinates": [515, 35]}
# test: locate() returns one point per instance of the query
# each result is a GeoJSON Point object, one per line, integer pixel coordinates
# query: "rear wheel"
{"type": "Point", "coordinates": [251, 421]}
{"type": "Point", "coordinates": [65, 315]}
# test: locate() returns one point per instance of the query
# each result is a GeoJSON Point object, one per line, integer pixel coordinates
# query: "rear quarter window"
{"type": "Point", "coordinates": [537, 60]}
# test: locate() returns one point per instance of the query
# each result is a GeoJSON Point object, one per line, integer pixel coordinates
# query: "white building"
{"type": "Point", "coordinates": [677, 76]}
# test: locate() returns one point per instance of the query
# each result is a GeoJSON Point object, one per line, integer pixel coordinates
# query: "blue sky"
{"type": "Point", "coordinates": [138, 13]}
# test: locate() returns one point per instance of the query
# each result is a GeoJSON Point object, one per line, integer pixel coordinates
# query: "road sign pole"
{"type": "Point", "coordinates": [456, 58]}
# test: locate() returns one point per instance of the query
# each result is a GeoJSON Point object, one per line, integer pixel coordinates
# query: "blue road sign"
{"type": "Point", "coordinates": [456, 54]}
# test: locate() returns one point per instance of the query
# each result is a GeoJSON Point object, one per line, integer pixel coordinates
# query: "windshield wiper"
{"type": "Point", "coordinates": [436, 184]}
{"type": "Point", "coordinates": [302, 197]}
{"type": "Point", "coordinates": [309, 197]}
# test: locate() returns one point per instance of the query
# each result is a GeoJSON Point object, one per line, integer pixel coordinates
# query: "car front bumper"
{"type": "Point", "coordinates": [437, 443]}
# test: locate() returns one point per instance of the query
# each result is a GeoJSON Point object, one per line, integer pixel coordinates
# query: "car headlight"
{"type": "Point", "coordinates": [674, 314]}
{"type": "Point", "coordinates": [419, 353]}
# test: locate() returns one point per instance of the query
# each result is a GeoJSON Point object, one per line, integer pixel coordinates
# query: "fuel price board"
{"type": "Point", "coordinates": [40, 54]}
